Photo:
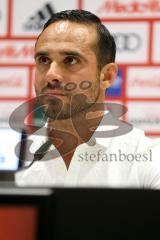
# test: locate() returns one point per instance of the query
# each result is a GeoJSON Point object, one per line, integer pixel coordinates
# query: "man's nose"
{"type": "Point", "coordinates": [54, 73]}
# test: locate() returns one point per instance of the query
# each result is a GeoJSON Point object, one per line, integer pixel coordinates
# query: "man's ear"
{"type": "Point", "coordinates": [108, 74]}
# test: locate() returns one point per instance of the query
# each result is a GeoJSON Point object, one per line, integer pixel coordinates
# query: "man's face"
{"type": "Point", "coordinates": [66, 69]}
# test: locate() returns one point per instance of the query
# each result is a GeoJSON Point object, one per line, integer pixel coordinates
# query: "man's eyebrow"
{"type": "Point", "coordinates": [41, 53]}
{"type": "Point", "coordinates": [73, 53]}
{"type": "Point", "coordinates": [67, 53]}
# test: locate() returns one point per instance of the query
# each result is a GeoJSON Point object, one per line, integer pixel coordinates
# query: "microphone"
{"type": "Point", "coordinates": [40, 153]}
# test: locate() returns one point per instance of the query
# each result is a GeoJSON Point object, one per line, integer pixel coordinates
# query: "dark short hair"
{"type": "Point", "coordinates": [106, 50]}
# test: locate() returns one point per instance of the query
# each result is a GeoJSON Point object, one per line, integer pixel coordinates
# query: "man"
{"type": "Point", "coordinates": [75, 63]}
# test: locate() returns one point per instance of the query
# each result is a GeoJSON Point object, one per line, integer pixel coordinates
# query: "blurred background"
{"type": "Point", "coordinates": [136, 29]}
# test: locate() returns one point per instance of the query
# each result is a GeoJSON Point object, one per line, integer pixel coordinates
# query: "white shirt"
{"type": "Point", "coordinates": [94, 166]}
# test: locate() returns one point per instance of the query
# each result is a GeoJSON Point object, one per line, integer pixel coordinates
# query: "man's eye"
{"type": "Point", "coordinates": [43, 60]}
{"type": "Point", "coordinates": [70, 60]}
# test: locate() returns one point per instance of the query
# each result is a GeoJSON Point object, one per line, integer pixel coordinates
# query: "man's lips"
{"type": "Point", "coordinates": [53, 93]}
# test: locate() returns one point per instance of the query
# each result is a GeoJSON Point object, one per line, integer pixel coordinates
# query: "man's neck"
{"type": "Point", "coordinates": [68, 134]}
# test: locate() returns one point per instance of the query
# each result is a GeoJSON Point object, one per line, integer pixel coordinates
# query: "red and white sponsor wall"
{"type": "Point", "coordinates": [136, 28]}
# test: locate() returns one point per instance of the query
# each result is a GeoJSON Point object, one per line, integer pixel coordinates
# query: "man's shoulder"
{"type": "Point", "coordinates": [142, 142]}
{"type": "Point", "coordinates": [133, 137]}
{"type": "Point", "coordinates": [133, 141]}
{"type": "Point", "coordinates": [136, 137]}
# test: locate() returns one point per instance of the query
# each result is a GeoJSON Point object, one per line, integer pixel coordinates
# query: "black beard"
{"type": "Point", "coordinates": [56, 110]}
